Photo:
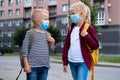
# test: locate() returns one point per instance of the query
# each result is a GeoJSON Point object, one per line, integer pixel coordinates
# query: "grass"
{"type": "Point", "coordinates": [56, 56]}
{"type": "Point", "coordinates": [113, 59]}
{"type": "Point", "coordinates": [102, 58]}
{"type": "Point", "coordinates": [12, 54]}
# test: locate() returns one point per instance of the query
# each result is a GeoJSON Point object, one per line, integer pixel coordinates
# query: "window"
{"type": "Point", "coordinates": [27, 24]}
{"type": "Point", "coordinates": [1, 44]}
{"type": "Point", "coordinates": [10, 12]}
{"type": "Point", "coordinates": [10, 2]}
{"type": "Point", "coordinates": [9, 44]}
{"type": "Point", "coordinates": [1, 33]}
{"type": "Point", "coordinates": [2, 13]}
{"type": "Point", "coordinates": [9, 34]}
{"type": "Point", "coordinates": [62, 44]}
{"type": "Point", "coordinates": [17, 1]}
{"type": "Point", "coordinates": [9, 23]}
{"type": "Point", "coordinates": [63, 32]}
{"type": "Point", "coordinates": [65, 20]}
{"type": "Point", "coordinates": [2, 3]}
{"type": "Point", "coordinates": [100, 17]}
{"type": "Point", "coordinates": [52, 2]}
{"type": "Point", "coordinates": [17, 22]}
{"type": "Point", "coordinates": [65, 7]}
{"type": "Point", "coordinates": [101, 14]}
{"type": "Point", "coordinates": [1, 23]}
{"type": "Point", "coordinates": [40, 1]}
{"type": "Point", "coordinates": [17, 11]}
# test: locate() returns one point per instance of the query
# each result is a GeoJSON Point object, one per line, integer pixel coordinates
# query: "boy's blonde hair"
{"type": "Point", "coordinates": [38, 14]}
{"type": "Point", "coordinates": [81, 7]}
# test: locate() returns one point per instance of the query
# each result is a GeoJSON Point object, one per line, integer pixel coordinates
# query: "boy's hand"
{"type": "Point", "coordinates": [27, 69]}
{"type": "Point", "coordinates": [83, 33]}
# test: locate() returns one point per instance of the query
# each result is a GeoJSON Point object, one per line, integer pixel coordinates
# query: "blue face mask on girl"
{"type": "Point", "coordinates": [75, 18]}
{"type": "Point", "coordinates": [44, 25]}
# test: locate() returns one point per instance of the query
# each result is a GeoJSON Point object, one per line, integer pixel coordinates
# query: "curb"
{"type": "Point", "coordinates": [106, 64]}
{"type": "Point", "coordinates": [101, 64]}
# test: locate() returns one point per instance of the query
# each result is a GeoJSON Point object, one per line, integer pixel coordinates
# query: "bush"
{"type": "Point", "coordinates": [6, 50]}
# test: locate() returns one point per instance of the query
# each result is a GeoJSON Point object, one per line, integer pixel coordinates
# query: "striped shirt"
{"type": "Point", "coordinates": [38, 55]}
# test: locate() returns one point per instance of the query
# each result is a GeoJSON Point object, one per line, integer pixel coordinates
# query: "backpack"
{"type": "Point", "coordinates": [94, 54]}
{"type": "Point", "coordinates": [20, 52]}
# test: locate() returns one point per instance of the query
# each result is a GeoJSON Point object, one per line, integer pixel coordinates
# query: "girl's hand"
{"type": "Point", "coordinates": [27, 69]}
{"type": "Point", "coordinates": [83, 33]}
{"type": "Point", "coordinates": [65, 69]}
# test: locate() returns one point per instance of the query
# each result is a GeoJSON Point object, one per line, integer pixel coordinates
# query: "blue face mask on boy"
{"type": "Point", "coordinates": [75, 18]}
{"type": "Point", "coordinates": [44, 25]}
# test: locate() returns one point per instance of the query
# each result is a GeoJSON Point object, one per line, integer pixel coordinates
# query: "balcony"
{"type": "Point", "coordinates": [27, 4]}
{"type": "Point", "coordinates": [52, 15]}
{"type": "Point", "coordinates": [52, 3]}
{"type": "Point", "coordinates": [27, 16]}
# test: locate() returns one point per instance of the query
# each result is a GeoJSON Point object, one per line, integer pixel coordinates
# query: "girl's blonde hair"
{"type": "Point", "coordinates": [88, 15]}
{"type": "Point", "coordinates": [38, 14]}
{"type": "Point", "coordinates": [81, 7]}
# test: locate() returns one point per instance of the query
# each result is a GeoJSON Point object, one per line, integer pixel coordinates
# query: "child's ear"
{"type": "Point", "coordinates": [38, 21]}
{"type": "Point", "coordinates": [81, 13]}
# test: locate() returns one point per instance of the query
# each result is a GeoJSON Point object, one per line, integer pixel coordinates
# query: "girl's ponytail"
{"type": "Point", "coordinates": [88, 15]}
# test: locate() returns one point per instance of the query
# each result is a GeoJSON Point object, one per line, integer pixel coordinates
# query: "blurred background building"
{"type": "Point", "coordinates": [17, 13]}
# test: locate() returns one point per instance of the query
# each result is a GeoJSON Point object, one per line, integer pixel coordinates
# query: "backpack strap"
{"type": "Point", "coordinates": [86, 26]}
{"type": "Point", "coordinates": [31, 38]}
{"type": "Point", "coordinates": [30, 44]}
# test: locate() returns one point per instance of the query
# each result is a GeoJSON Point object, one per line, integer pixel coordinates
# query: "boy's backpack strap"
{"type": "Point", "coordinates": [32, 32]}
{"type": "Point", "coordinates": [31, 37]}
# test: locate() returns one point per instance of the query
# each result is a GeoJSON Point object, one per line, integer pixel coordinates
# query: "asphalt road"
{"type": "Point", "coordinates": [10, 66]}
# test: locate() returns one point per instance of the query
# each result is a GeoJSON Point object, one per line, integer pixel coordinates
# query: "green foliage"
{"type": "Point", "coordinates": [94, 13]}
{"type": "Point", "coordinates": [7, 50]}
{"type": "Point", "coordinates": [93, 10]}
{"type": "Point", "coordinates": [55, 33]}
{"type": "Point", "coordinates": [19, 35]}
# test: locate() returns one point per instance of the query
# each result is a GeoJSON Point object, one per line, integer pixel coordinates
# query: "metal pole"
{"type": "Point", "coordinates": [68, 13]}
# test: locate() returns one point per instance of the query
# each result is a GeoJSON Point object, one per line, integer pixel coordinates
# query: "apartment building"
{"type": "Point", "coordinates": [109, 19]}
{"type": "Point", "coordinates": [16, 13]}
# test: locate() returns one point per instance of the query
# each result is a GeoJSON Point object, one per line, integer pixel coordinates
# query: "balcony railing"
{"type": "Point", "coordinates": [27, 4]}
{"type": "Point", "coordinates": [27, 15]}
{"type": "Point", "coordinates": [52, 11]}
{"type": "Point", "coordinates": [52, 15]}
{"type": "Point", "coordinates": [51, 3]}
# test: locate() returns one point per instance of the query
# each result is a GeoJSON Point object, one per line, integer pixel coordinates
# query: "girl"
{"type": "Point", "coordinates": [75, 52]}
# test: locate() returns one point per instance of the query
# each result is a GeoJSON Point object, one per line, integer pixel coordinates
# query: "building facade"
{"type": "Point", "coordinates": [16, 13]}
{"type": "Point", "coordinates": [109, 19]}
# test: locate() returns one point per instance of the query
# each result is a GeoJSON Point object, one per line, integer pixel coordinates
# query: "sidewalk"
{"type": "Point", "coordinates": [102, 64]}
{"type": "Point", "coordinates": [10, 72]}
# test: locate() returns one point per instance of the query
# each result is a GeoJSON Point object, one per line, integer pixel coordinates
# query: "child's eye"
{"type": "Point", "coordinates": [72, 13]}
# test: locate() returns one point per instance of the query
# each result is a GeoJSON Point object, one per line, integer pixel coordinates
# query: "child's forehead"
{"type": "Point", "coordinates": [73, 10]}
{"type": "Point", "coordinates": [42, 14]}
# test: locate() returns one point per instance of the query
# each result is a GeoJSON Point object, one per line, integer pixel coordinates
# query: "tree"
{"type": "Point", "coordinates": [19, 36]}
{"type": "Point", "coordinates": [55, 33]}
{"type": "Point", "coordinates": [94, 13]}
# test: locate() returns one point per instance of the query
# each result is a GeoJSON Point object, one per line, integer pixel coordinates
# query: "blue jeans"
{"type": "Point", "coordinates": [79, 70]}
{"type": "Point", "coordinates": [38, 73]}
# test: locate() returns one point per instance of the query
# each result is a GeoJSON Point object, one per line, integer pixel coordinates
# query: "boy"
{"type": "Point", "coordinates": [36, 59]}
